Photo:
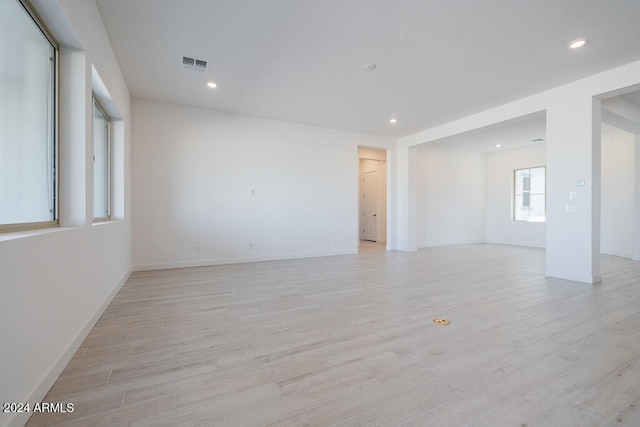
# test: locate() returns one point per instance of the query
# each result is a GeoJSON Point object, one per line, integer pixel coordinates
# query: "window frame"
{"type": "Point", "coordinates": [514, 195]}
{"type": "Point", "coordinates": [55, 222]}
{"type": "Point", "coordinates": [96, 103]}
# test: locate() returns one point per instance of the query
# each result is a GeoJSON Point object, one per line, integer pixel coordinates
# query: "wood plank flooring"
{"type": "Point", "coordinates": [350, 341]}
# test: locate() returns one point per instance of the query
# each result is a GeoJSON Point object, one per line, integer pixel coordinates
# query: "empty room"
{"type": "Point", "coordinates": [319, 213]}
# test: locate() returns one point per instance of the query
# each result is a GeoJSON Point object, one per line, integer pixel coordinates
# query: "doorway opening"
{"type": "Point", "coordinates": [620, 174]}
{"type": "Point", "coordinates": [372, 195]}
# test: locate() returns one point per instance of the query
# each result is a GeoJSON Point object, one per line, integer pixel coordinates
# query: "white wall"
{"type": "Point", "coordinates": [636, 204]}
{"type": "Point", "coordinates": [501, 228]}
{"type": "Point", "coordinates": [573, 151]}
{"type": "Point", "coordinates": [450, 187]}
{"type": "Point", "coordinates": [55, 283]}
{"type": "Point", "coordinates": [617, 226]}
{"type": "Point", "coordinates": [209, 184]}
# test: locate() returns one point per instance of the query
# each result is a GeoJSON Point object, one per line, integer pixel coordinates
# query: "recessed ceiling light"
{"type": "Point", "coordinates": [577, 43]}
{"type": "Point", "coordinates": [212, 85]}
{"type": "Point", "coordinates": [370, 67]}
{"type": "Point", "coordinates": [498, 145]}
{"type": "Point", "coordinates": [393, 121]}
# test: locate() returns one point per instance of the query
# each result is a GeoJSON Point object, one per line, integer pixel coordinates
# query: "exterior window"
{"type": "Point", "coordinates": [28, 184]}
{"type": "Point", "coordinates": [101, 164]}
{"type": "Point", "coordinates": [529, 195]}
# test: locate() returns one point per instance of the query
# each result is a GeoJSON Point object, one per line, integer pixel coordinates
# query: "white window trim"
{"type": "Point", "coordinates": [513, 194]}
{"type": "Point", "coordinates": [27, 226]}
{"type": "Point", "coordinates": [109, 163]}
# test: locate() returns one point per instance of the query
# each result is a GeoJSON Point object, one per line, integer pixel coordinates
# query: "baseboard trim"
{"type": "Point", "coordinates": [587, 279]}
{"type": "Point", "coordinates": [453, 243]}
{"type": "Point", "coordinates": [44, 385]}
{"type": "Point", "coordinates": [226, 261]}
{"type": "Point", "coordinates": [520, 244]}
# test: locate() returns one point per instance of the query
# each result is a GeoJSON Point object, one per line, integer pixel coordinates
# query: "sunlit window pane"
{"type": "Point", "coordinates": [529, 195]}
{"type": "Point", "coordinates": [101, 187]}
{"type": "Point", "coordinates": [27, 119]}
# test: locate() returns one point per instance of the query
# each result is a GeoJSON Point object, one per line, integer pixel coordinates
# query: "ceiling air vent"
{"type": "Point", "coordinates": [201, 65]}
{"type": "Point", "coordinates": [194, 64]}
{"type": "Point", "coordinates": [188, 62]}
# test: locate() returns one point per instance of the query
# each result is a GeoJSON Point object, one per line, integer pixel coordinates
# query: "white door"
{"type": "Point", "coordinates": [370, 203]}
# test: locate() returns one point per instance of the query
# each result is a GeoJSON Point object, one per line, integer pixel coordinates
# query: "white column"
{"type": "Point", "coordinates": [412, 220]}
{"type": "Point", "coordinates": [404, 207]}
{"type": "Point", "coordinates": [636, 197]}
{"type": "Point", "coordinates": [573, 188]}
{"type": "Point", "coordinates": [74, 139]}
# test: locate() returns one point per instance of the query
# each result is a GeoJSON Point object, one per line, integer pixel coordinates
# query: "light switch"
{"type": "Point", "coordinates": [581, 182]}
{"type": "Point", "coordinates": [573, 195]}
{"type": "Point", "coordinates": [571, 208]}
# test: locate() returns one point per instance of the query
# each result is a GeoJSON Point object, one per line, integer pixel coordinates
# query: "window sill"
{"type": "Point", "coordinates": [101, 222]}
{"type": "Point", "coordinates": [15, 235]}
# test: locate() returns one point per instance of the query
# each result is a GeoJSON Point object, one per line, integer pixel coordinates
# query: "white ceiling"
{"type": "Point", "coordinates": [510, 134]}
{"type": "Point", "coordinates": [633, 97]}
{"type": "Point", "coordinates": [303, 61]}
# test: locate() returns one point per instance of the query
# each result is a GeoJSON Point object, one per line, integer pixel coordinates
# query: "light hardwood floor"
{"type": "Point", "coordinates": [350, 341]}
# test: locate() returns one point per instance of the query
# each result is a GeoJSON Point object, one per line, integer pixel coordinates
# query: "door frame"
{"type": "Point", "coordinates": [382, 155]}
